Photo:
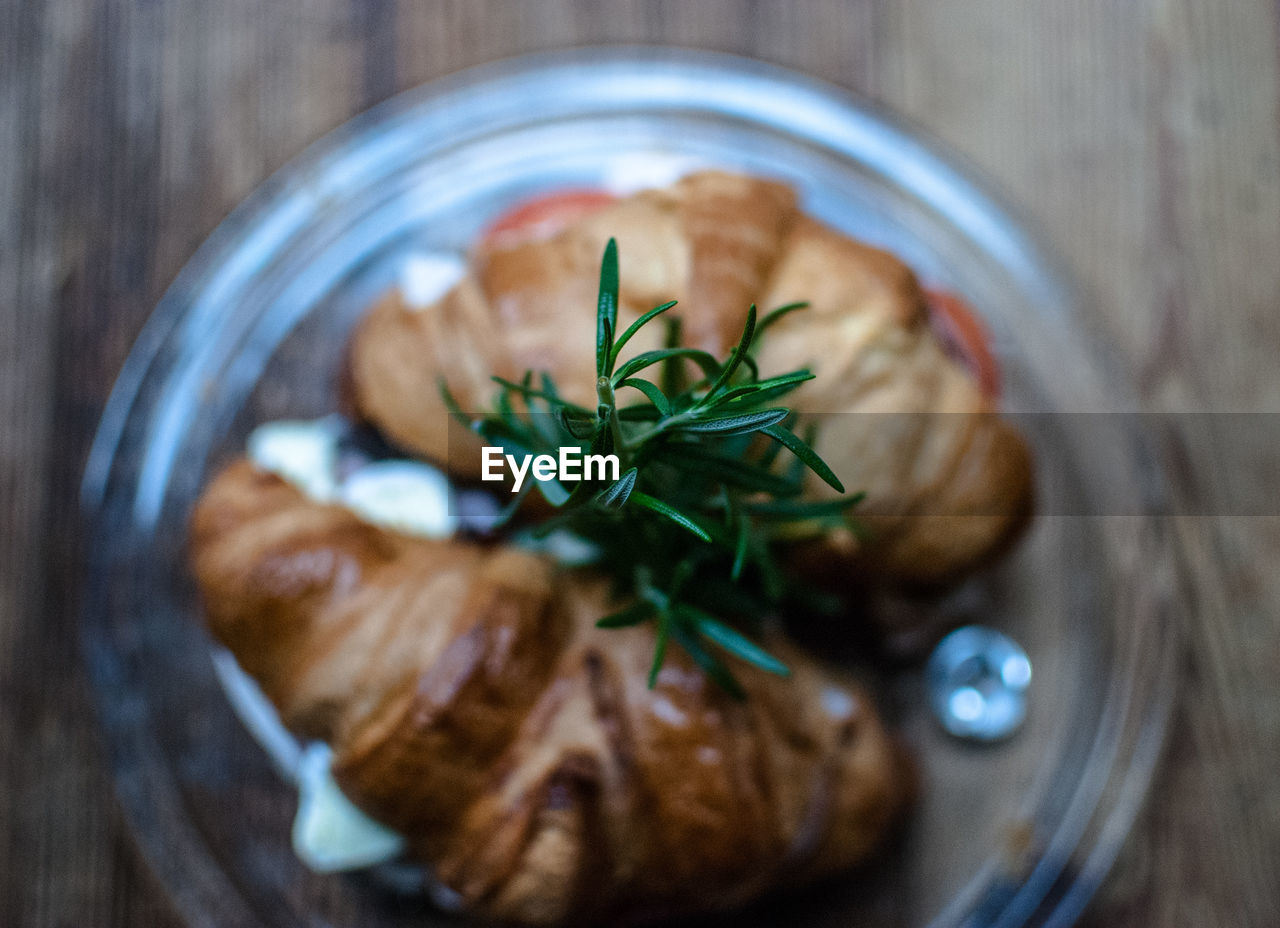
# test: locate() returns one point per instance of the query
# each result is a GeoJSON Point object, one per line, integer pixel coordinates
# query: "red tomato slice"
{"type": "Point", "coordinates": [544, 216]}
{"type": "Point", "coordinates": [966, 337]}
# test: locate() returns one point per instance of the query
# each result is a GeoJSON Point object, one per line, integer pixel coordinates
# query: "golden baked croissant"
{"type": "Point", "coordinates": [472, 705]}
{"type": "Point", "coordinates": [948, 482]}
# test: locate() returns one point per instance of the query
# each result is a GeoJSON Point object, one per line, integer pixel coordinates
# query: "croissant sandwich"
{"type": "Point", "coordinates": [520, 723]}
{"type": "Point", "coordinates": [472, 705]}
{"type": "Point", "coordinates": [948, 483]}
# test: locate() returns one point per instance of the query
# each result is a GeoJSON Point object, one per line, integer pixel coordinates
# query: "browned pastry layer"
{"type": "Point", "coordinates": [949, 484]}
{"type": "Point", "coordinates": [473, 706]}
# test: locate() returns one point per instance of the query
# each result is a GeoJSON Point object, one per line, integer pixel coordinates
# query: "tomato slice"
{"type": "Point", "coordinates": [965, 337]}
{"type": "Point", "coordinates": [543, 216]}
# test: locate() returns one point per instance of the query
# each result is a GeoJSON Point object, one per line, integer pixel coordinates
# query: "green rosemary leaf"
{"type": "Point", "coordinates": [508, 511]}
{"type": "Point", "coordinates": [607, 308]}
{"type": "Point", "coordinates": [699, 458]}
{"type": "Point", "coordinates": [771, 578]}
{"type": "Point", "coordinates": [663, 509]}
{"type": "Point", "coordinates": [805, 509]}
{"type": "Point", "coordinates": [680, 576]}
{"type": "Point", "coordinates": [549, 387]}
{"type": "Point", "coordinates": [652, 391]}
{"type": "Point", "coordinates": [741, 543]}
{"type": "Point", "coordinates": [738, 424]}
{"type": "Point", "coordinates": [775, 314]}
{"type": "Point", "coordinates": [735, 358]}
{"type": "Point", "coordinates": [766, 395]}
{"type": "Point", "coordinates": [545, 419]}
{"type": "Point", "coordinates": [734, 642]}
{"type": "Point", "coordinates": [660, 646]}
{"type": "Point", "coordinates": [561, 520]}
{"type": "Point", "coordinates": [702, 358]}
{"type": "Point", "coordinates": [634, 614]}
{"type": "Point", "coordinates": [553, 491]}
{"type": "Point", "coordinates": [859, 528]}
{"type": "Point", "coordinates": [762, 389]}
{"type": "Point", "coordinates": [641, 412]}
{"type": "Point", "coordinates": [607, 327]}
{"type": "Point", "coordinates": [578, 427]}
{"type": "Point", "coordinates": [710, 664]}
{"type": "Point", "coordinates": [796, 446]}
{"type": "Point", "coordinates": [514, 439]}
{"type": "Point", "coordinates": [616, 494]}
{"type": "Point", "coordinates": [451, 404]}
{"type": "Point", "coordinates": [528, 392]}
{"type": "Point", "coordinates": [634, 328]}
{"type": "Point", "coordinates": [672, 380]}
{"type": "Point", "coordinates": [506, 411]}
{"type": "Point", "coordinates": [718, 594]}
{"type": "Point", "coordinates": [798, 467]}
{"type": "Point", "coordinates": [601, 443]}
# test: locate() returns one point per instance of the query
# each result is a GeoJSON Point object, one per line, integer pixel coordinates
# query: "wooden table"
{"type": "Point", "coordinates": [1143, 136]}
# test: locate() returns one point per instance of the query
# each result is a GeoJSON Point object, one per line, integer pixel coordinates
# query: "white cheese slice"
{"type": "Point", "coordinates": [404, 496]}
{"type": "Point", "coordinates": [567, 548]}
{"type": "Point", "coordinates": [427, 276]}
{"type": "Point", "coordinates": [303, 452]}
{"type": "Point", "coordinates": [635, 171]}
{"type": "Point", "coordinates": [329, 833]}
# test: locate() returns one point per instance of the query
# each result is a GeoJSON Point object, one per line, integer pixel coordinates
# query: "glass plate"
{"type": "Point", "coordinates": [1014, 834]}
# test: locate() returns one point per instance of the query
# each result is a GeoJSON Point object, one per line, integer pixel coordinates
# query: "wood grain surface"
{"type": "Point", "coordinates": [1143, 137]}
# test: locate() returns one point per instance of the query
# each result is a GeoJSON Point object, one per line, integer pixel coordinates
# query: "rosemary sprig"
{"type": "Point", "coordinates": [690, 531]}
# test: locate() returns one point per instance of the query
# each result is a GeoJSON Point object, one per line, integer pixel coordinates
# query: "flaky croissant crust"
{"type": "Point", "coordinates": [948, 482]}
{"type": "Point", "coordinates": [472, 705]}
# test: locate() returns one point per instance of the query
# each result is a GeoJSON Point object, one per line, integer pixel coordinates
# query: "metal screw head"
{"type": "Point", "coordinates": [977, 679]}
